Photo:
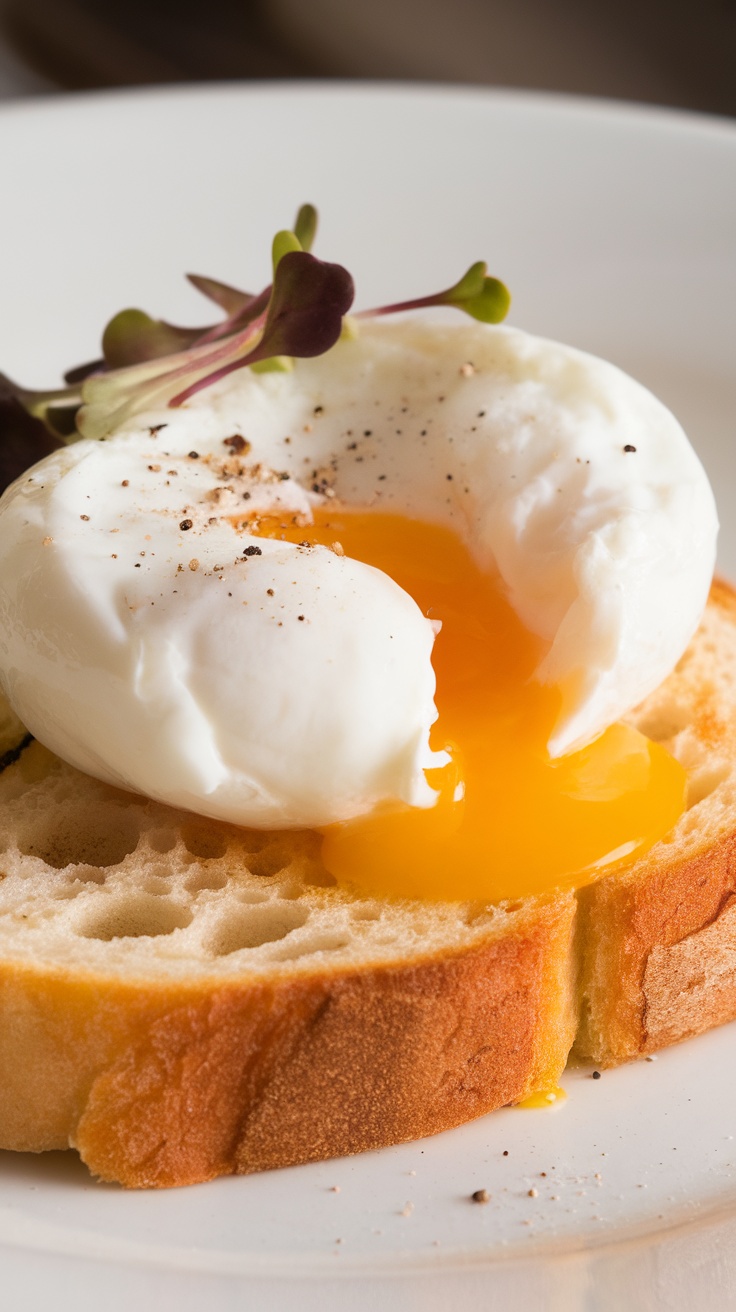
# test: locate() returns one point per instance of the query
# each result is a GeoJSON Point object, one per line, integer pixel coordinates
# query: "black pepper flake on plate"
{"type": "Point", "coordinates": [252, 551]}
{"type": "Point", "coordinates": [596, 1075]}
{"type": "Point", "coordinates": [300, 617]}
{"type": "Point", "coordinates": [480, 1196]}
{"type": "Point", "coordinates": [156, 428]}
{"type": "Point", "coordinates": [629, 447]}
{"type": "Point", "coordinates": [186, 524]}
{"type": "Point", "coordinates": [194, 455]}
{"type": "Point", "coordinates": [86, 517]}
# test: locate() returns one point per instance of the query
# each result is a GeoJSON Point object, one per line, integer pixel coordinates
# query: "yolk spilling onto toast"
{"type": "Point", "coordinates": [508, 821]}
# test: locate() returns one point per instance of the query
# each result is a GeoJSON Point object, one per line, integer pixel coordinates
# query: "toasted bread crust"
{"type": "Point", "coordinates": [637, 976]}
{"type": "Point", "coordinates": [162, 1085]}
{"type": "Point", "coordinates": [659, 961]}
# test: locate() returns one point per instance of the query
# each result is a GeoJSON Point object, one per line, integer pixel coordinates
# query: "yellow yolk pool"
{"type": "Point", "coordinates": [508, 821]}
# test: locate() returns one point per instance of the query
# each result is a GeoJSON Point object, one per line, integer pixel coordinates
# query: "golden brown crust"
{"type": "Point", "coordinates": [629, 932]}
{"type": "Point", "coordinates": [658, 940]}
{"type": "Point", "coordinates": [168, 1085]}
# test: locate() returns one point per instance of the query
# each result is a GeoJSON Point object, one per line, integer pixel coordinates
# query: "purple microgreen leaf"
{"type": "Point", "coordinates": [81, 371]}
{"type": "Point", "coordinates": [304, 319]}
{"type": "Point", "coordinates": [55, 409]}
{"type": "Point", "coordinates": [484, 298]}
{"type": "Point", "coordinates": [308, 301]}
{"type": "Point", "coordinates": [24, 438]}
{"type": "Point", "coordinates": [133, 337]}
{"type": "Point", "coordinates": [228, 298]}
{"type": "Point", "coordinates": [305, 228]}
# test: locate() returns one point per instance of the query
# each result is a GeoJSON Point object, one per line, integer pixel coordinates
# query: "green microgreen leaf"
{"type": "Point", "coordinates": [276, 364]}
{"type": "Point", "coordinates": [133, 337]}
{"type": "Point", "coordinates": [305, 228]}
{"type": "Point", "coordinates": [283, 242]}
{"type": "Point", "coordinates": [485, 298]}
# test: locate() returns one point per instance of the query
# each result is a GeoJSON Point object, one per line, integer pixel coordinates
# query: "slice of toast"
{"type": "Point", "coordinates": [181, 999]}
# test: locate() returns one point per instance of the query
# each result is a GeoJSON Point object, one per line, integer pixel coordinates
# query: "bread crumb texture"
{"type": "Point", "coordinates": [181, 999]}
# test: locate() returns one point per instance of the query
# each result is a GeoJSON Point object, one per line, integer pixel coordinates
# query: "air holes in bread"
{"type": "Point", "coordinates": [291, 891]}
{"type": "Point", "coordinates": [89, 875]}
{"type": "Point", "coordinates": [162, 840]}
{"type": "Point", "coordinates": [253, 926]}
{"type": "Point", "coordinates": [704, 782]}
{"type": "Point", "coordinates": [206, 843]}
{"type": "Point", "coordinates": [480, 913]}
{"type": "Point", "coordinates": [306, 947]}
{"type": "Point", "coordinates": [157, 884]}
{"type": "Point", "coordinates": [665, 723]}
{"type": "Point", "coordinates": [270, 861]}
{"type": "Point", "coordinates": [95, 835]}
{"type": "Point", "coordinates": [136, 916]}
{"type": "Point", "coordinates": [205, 879]}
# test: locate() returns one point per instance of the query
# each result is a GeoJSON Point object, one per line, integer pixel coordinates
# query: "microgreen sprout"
{"type": "Point", "coordinates": [476, 293]}
{"type": "Point", "coordinates": [148, 363]}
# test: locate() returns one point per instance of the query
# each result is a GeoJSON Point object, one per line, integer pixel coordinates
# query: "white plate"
{"type": "Point", "coordinates": [615, 229]}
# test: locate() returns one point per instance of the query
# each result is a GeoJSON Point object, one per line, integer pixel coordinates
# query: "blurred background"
{"type": "Point", "coordinates": [670, 52]}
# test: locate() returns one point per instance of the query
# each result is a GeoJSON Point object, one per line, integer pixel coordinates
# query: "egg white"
{"type": "Point", "coordinates": [294, 686]}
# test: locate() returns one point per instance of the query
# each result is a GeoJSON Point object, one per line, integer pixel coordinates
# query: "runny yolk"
{"type": "Point", "coordinates": [508, 821]}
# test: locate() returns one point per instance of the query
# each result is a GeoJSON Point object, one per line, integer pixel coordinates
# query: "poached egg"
{"type": "Point", "coordinates": [255, 606]}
